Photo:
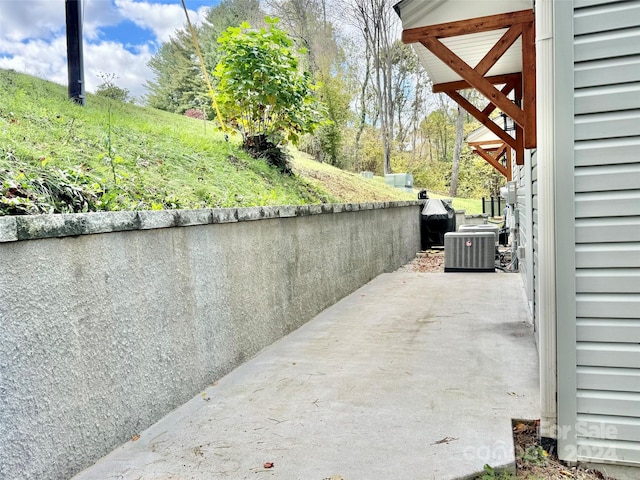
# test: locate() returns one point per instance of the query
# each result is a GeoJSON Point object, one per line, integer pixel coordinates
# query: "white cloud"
{"type": "Point", "coordinates": [29, 19]}
{"type": "Point", "coordinates": [44, 59]}
{"type": "Point", "coordinates": [23, 19]}
{"type": "Point", "coordinates": [110, 57]}
{"type": "Point", "coordinates": [98, 14]}
{"type": "Point", "coordinates": [48, 60]}
{"type": "Point", "coordinates": [33, 40]}
{"type": "Point", "coordinates": [162, 19]}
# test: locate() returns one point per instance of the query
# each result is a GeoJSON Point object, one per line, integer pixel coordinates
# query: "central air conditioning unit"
{"type": "Point", "coordinates": [484, 228]}
{"type": "Point", "coordinates": [469, 252]}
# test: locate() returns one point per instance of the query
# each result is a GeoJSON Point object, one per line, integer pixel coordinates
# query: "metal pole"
{"type": "Point", "coordinates": [75, 64]}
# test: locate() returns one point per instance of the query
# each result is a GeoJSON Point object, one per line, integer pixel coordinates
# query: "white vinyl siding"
{"type": "Point", "coordinates": [607, 229]}
{"type": "Point", "coordinates": [535, 278]}
{"type": "Point", "coordinates": [527, 205]}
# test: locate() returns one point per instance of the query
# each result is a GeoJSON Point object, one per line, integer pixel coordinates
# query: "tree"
{"type": "Point", "coordinates": [408, 92]}
{"type": "Point", "coordinates": [228, 13]}
{"type": "Point", "coordinates": [332, 93]}
{"type": "Point", "coordinates": [307, 24]}
{"type": "Point", "coordinates": [378, 25]}
{"type": "Point", "coordinates": [457, 151]}
{"type": "Point", "coordinates": [437, 132]}
{"type": "Point", "coordinates": [178, 84]}
{"type": "Point", "coordinates": [260, 89]}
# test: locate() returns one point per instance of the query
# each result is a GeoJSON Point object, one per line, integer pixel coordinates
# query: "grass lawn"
{"type": "Point", "coordinates": [56, 156]}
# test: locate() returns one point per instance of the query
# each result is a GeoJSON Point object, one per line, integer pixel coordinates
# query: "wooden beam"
{"type": "Point", "coordinates": [464, 27]}
{"type": "Point", "coordinates": [491, 150]}
{"type": "Point", "coordinates": [519, 148]}
{"type": "Point", "coordinates": [487, 146]}
{"type": "Point", "coordinates": [501, 151]}
{"type": "Point", "coordinates": [492, 161]}
{"type": "Point", "coordinates": [509, 168]}
{"type": "Point", "coordinates": [499, 49]}
{"type": "Point", "coordinates": [529, 84]}
{"type": "Point", "coordinates": [483, 119]}
{"type": "Point", "coordinates": [488, 110]}
{"type": "Point", "coordinates": [476, 80]}
{"type": "Point", "coordinates": [484, 143]}
{"type": "Point", "coordinates": [463, 84]}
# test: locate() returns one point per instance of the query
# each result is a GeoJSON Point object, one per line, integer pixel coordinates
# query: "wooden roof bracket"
{"type": "Point", "coordinates": [523, 110]}
{"type": "Point", "coordinates": [493, 154]}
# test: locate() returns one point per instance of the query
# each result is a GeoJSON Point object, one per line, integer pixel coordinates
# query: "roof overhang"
{"type": "Point", "coordinates": [484, 143]}
{"type": "Point", "coordinates": [488, 45]}
{"type": "Point", "coordinates": [420, 16]}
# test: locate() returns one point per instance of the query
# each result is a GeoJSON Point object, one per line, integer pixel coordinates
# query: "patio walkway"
{"type": "Point", "coordinates": [412, 377]}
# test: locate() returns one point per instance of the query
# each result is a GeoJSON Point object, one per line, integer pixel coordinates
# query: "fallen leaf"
{"type": "Point", "coordinates": [268, 465]}
{"type": "Point", "coordinates": [135, 437]}
{"type": "Point", "coordinates": [520, 427]}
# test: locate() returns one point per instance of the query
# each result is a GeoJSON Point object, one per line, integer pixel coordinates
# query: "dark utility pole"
{"type": "Point", "coordinates": [75, 64]}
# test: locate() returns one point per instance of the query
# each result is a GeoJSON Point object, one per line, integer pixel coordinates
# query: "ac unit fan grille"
{"type": "Point", "coordinates": [469, 252]}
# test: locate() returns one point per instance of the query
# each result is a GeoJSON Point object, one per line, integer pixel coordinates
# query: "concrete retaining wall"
{"type": "Point", "coordinates": [110, 320]}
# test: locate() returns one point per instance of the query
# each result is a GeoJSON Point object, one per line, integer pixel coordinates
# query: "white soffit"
{"type": "Point", "coordinates": [485, 136]}
{"type": "Point", "coordinates": [470, 48]}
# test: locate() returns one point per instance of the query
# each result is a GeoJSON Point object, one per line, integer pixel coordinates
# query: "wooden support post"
{"type": "Point", "coordinates": [529, 84]}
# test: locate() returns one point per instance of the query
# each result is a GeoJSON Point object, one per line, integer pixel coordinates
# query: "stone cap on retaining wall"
{"type": "Point", "coordinates": [32, 227]}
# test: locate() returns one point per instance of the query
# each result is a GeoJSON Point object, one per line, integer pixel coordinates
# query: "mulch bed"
{"type": "Point", "coordinates": [534, 463]}
{"type": "Point", "coordinates": [431, 261]}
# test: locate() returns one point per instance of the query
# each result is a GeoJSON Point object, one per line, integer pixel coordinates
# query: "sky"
{"type": "Point", "coordinates": [120, 36]}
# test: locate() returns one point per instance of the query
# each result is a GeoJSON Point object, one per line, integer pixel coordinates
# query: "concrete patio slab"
{"type": "Point", "coordinates": [413, 377]}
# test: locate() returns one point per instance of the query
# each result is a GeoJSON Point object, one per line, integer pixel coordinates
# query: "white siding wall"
{"type": "Point", "coordinates": [526, 176]}
{"type": "Point", "coordinates": [607, 229]}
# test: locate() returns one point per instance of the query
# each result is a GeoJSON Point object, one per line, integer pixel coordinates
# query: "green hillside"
{"type": "Point", "coordinates": [56, 156]}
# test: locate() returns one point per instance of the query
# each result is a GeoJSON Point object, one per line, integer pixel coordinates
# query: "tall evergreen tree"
{"type": "Point", "coordinates": [179, 85]}
{"type": "Point", "coordinates": [178, 82]}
